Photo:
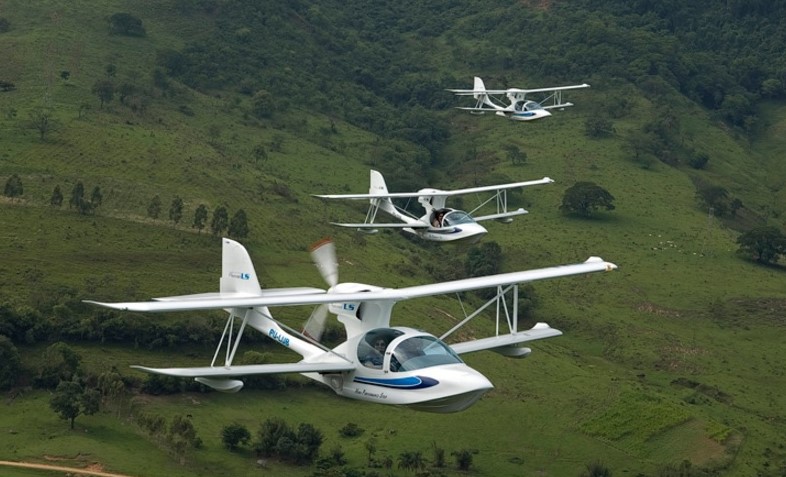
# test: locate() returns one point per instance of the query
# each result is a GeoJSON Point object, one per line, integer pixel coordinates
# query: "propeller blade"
{"type": "Point", "coordinates": [315, 325]}
{"type": "Point", "coordinates": [324, 255]}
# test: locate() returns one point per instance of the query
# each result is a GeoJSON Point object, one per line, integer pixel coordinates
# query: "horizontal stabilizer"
{"type": "Point", "coordinates": [500, 216]}
{"type": "Point", "coordinates": [537, 332]}
{"type": "Point", "coordinates": [248, 370]}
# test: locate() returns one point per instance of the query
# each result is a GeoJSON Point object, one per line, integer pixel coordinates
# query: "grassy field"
{"type": "Point", "coordinates": [676, 355]}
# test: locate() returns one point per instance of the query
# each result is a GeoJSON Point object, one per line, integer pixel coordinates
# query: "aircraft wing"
{"type": "Point", "coordinates": [395, 195]}
{"type": "Point", "coordinates": [503, 215]}
{"type": "Point", "coordinates": [374, 225]}
{"type": "Point", "coordinates": [498, 187]}
{"type": "Point", "coordinates": [439, 193]}
{"type": "Point", "coordinates": [593, 264]}
{"type": "Point", "coordinates": [246, 370]}
{"type": "Point", "coordinates": [537, 332]}
{"type": "Point", "coordinates": [552, 89]}
{"type": "Point", "coordinates": [469, 92]}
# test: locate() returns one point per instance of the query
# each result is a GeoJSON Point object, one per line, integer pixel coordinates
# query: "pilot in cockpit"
{"type": "Point", "coordinates": [436, 221]}
{"type": "Point", "coordinates": [376, 353]}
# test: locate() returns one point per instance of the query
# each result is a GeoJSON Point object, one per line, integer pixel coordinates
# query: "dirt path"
{"type": "Point", "coordinates": [60, 468]}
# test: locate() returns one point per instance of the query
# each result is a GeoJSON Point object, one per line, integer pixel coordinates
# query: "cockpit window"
{"type": "Point", "coordinates": [421, 352]}
{"type": "Point", "coordinates": [371, 349]}
{"type": "Point", "coordinates": [532, 106]}
{"type": "Point", "coordinates": [457, 217]}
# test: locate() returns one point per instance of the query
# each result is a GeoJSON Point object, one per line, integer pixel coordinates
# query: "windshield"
{"type": "Point", "coordinates": [532, 106]}
{"type": "Point", "coordinates": [457, 217]}
{"type": "Point", "coordinates": [421, 352]}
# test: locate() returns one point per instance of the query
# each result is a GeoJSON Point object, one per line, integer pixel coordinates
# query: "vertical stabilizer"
{"type": "Point", "coordinates": [237, 270]}
{"type": "Point", "coordinates": [378, 185]}
{"type": "Point", "coordinates": [479, 88]}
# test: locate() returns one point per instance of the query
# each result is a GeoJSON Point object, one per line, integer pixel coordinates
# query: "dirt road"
{"type": "Point", "coordinates": [60, 468]}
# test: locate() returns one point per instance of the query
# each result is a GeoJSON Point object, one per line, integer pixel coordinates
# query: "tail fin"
{"type": "Point", "coordinates": [479, 87]}
{"type": "Point", "coordinates": [378, 185]}
{"type": "Point", "coordinates": [237, 270]}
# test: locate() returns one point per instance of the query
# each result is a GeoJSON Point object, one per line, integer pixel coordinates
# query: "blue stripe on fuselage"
{"type": "Point", "coordinates": [411, 382]}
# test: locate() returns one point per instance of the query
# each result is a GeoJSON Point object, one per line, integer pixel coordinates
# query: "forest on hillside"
{"type": "Point", "coordinates": [725, 55]}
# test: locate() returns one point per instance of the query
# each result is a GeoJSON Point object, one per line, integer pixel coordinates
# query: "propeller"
{"type": "Point", "coordinates": [323, 253]}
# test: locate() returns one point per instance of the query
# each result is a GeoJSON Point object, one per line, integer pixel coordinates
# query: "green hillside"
{"type": "Point", "coordinates": [255, 106]}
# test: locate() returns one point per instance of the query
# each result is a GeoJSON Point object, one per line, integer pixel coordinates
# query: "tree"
{"type": "Point", "coordinates": [57, 197]}
{"type": "Point", "coordinates": [463, 459]}
{"type": "Point", "coordinates": [270, 433]}
{"type": "Point", "coordinates": [176, 210]}
{"type": "Point", "coordinates": [263, 104]}
{"type": "Point", "coordinates": [59, 363]}
{"type": "Point", "coordinates": [154, 207]}
{"type": "Point", "coordinates": [182, 436]}
{"type": "Point", "coordinates": [411, 460]}
{"type": "Point", "coordinates": [13, 187]}
{"type": "Point", "coordinates": [71, 399]}
{"type": "Point", "coordinates": [484, 259]}
{"type": "Point", "coordinates": [96, 198]}
{"type": "Point", "coordinates": [596, 469]}
{"type": "Point", "coordinates": [234, 435]}
{"type": "Point", "coordinates": [597, 127]}
{"type": "Point", "coordinates": [764, 244]}
{"type": "Point", "coordinates": [220, 220]}
{"type": "Point", "coordinates": [125, 24]}
{"type": "Point", "coordinates": [516, 156]}
{"type": "Point", "coordinates": [238, 226]}
{"type": "Point", "coordinates": [42, 120]}
{"type": "Point", "coordinates": [110, 70]}
{"type": "Point", "coordinates": [78, 200]}
{"type": "Point", "coordinates": [584, 198]}
{"type": "Point", "coordinates": [10, 363]}
{"type": "Point", "coordinates": [309, 439]}
{"type": "Point", "coordinates": [105, 91]}
{"type": "Point", "coordinates": [200, 217]}
{"type": "Point", "coordinates": [260, 153]}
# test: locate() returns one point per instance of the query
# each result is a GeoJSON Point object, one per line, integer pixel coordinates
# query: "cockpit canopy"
{"type": "Point", "coordinates": [381, 348]}
{"type": "Point", "coordinates": [450, 218]}
{"type": "Point", "coordinates": [527, 106]}
{"type": "Point", "coordinates": [456, 217]}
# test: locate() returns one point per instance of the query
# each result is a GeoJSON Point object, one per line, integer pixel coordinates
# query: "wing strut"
{"type": "Point", "coordinates": [511, 316]}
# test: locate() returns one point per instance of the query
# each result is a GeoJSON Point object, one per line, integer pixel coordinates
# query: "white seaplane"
{"type": "Point", "coordinates": [439, 223]}
{"type": "Point", "coordinates": [378, 362]}
{"type": "Point", "coordinates": [519, 108]}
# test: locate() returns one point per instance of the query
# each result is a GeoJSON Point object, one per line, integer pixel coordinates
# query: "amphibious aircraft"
{"type": "Point", "coordinates": [519, 108]}
{"type": "Point", "coordinates": [439, 223]}
{"type": "Point", "coordinates": [378, 362]}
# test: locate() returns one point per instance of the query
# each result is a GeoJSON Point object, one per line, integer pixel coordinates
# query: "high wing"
{"type": "Point", "coordinates": [439, 193]}
{"type": "Point", "coordinates": [471, 92]}
{"type": "Point", "coordinates": [512, 185]}
{"type": "Point", "coordinates": [246, 370]}
{"type": "Point", "coordinates": [593, 264]}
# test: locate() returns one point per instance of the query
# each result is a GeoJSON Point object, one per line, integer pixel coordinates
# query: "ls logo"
{"type": "Point", "coordinates": [348, 306]}
{"type": "Point", "coordinates": [242, 276]}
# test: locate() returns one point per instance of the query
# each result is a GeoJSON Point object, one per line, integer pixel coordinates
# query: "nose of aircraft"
{"type": "Point", "coordinates": [460, 387]}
